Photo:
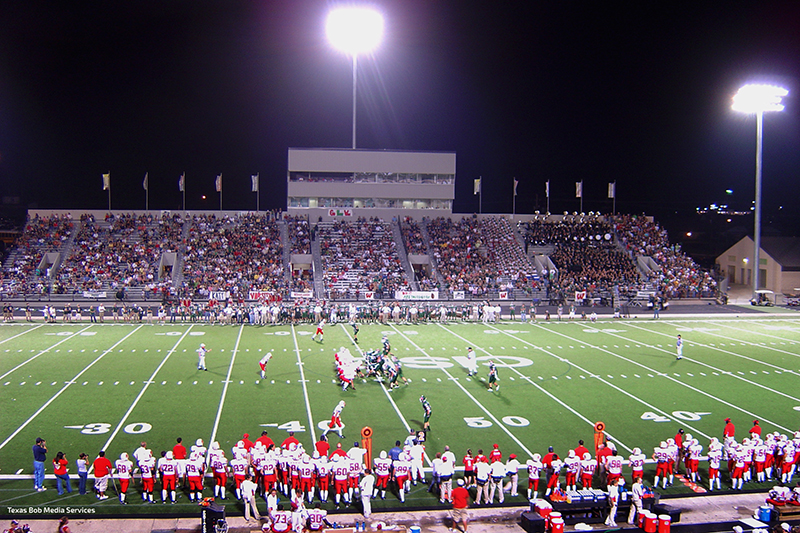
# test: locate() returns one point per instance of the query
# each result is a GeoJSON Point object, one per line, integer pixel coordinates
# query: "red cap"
{"type": "Point", "coordinates": [755, 422]}
{"type": "Point", "coordinates": [496, 446]}
{"type": "Point", "coordinates": [727, 420]}
{"type": "Point", "coordinates": [512, 456]}
{"type": "Point", "coordinates": [246, 435]}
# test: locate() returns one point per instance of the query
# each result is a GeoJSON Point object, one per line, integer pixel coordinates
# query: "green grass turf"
{"type": "Point", "coordinates": [90, 387]}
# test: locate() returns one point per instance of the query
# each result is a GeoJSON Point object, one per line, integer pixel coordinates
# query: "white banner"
{"type": "Point", "coordinates": [458, 295]}
{"type": "Point", "coordinates": [94, 294]}
{"type": "Point", "coordinates": [369, 295]}
{"type": "Point", "coordinates": [416, 295]}
{"type": "Point", "coordinates": [340, 213]}
{"type": "Point", "coordinates": [580, 296]}
{"type": "Point", "coordinates": [259, 295]}
{"type": "Point", "coordinates": [503, 295]}
{"type": "Point", "coordinates": [304, 294]}
{"type": "Point", "coordinates": [219, 295]}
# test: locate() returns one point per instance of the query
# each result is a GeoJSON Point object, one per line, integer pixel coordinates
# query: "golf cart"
{"type": "Point", "coordinates": [763, 297]}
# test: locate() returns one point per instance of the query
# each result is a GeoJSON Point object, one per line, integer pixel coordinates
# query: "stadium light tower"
{"type": "Point", "coordinates": [755, 98]}
{"type": "Point", "coordinates": [354, 31]}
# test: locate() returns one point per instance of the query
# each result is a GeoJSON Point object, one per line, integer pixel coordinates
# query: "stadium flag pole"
{"type": "Point", "coordinates": [480, 195]}
{"type": "Point", "coordinates": [219, 189]}
{"type": "Point", "coordinates": [107, 187]}
{"type": "Point", "coordinates": [146, 192]}
{"type": "Point", "coordinates": [514, 204]}
{"type": "Point", "coordinates": [182, 189]}
{"type": "Point", "coordinates": [612, 193]}
{"type": "Point", "coordinates": [254, 178]}
{"type": "Point", "coordinates": [547, 194]}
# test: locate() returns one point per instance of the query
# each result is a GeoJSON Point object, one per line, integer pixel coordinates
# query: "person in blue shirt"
{"type": "Point", "coordinates": [39, 457]}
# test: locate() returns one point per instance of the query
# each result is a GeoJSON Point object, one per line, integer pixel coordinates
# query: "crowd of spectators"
{"type": "Point", "coordinates": [234, 254]}
{"type": "Point", "coordinates": [299, 234]}
{"type": "Point", "coordinates": [455, 247]}
{"type": "Point", "coordinates": [124, 251]}
{"type": "Point", "coordinates": [678, 276]}
{"type": "Point", "coordinates": [41, 235]}
{"type": "Point", "coordinates": [359, 256]}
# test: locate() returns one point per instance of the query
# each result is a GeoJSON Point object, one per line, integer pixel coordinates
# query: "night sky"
{"type": "Point", "coordinates": [561, 90]}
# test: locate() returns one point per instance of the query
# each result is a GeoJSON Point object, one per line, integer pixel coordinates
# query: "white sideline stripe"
{"type": "Point", "coordinates": [225, 387]}
{"type": "Point", "coordinates": [727, 373]}
{"type": "Point", "coordinates": [717, 323]}
{"type": "Point", "coordinates": [597, 377]}
{"type": "Point", "coordinates": [20, 334]}
{"type": "Point", "coordinates": [65, 387]}
{"type": "Point", "coordinates": [144, 389]}
{"type": "Point", "coordinates": [553, 397]}
{"type": "Point", "coordinates": [43, 351]}
{"type": "Point", "coordinates": [682, 384]}
{"type": "Point", "coordinates": [311, 425]}
{"type": "Point", "coordinates": [469, 394]}
{"type": "Point", "coordinates": [386, 393]}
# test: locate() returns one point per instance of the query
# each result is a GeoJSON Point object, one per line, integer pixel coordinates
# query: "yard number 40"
{"type": "Point", "coordinates": [688, 416]}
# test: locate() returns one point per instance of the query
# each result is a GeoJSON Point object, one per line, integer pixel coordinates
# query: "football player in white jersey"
{"type": "Point", "coordinates": [124, 469]}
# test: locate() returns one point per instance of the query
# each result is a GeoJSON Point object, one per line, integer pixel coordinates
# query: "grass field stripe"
{"type": "Point", "coordinates": [783, 339]}
{"type": "Point", "coordinates": [21, 334]}
{"type": "Point", "coordinates": [311, 424]}
{"type": "Point", "coordinates": [682, 384]}
{"type": "Point", "coordinates": [42, 352]}
{"type": "Point", "coordinates": [146, 386]}
{"type": "Point", "coordinates": [469, 394]}
{"type": "Point", "coordinates": [597, 377]}
{"type": "Point", "coordinates": [539, 387]}
{"type": "Point", "coordinates": [386, 393]}
{"type": "Point", "coordinates": [739, 377]}
{"type": "Point", "coordinates": [225, 386]}
{"type": "Point", "coordinates": [64, 388]}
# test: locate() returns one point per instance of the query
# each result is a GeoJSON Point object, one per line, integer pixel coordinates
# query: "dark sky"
{"type": "Point", "coordinates": [561, 90]}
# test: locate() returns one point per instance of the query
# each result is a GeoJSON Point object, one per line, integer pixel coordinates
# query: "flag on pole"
{"type": "Point", "coordinates": [144, 183]}
{"type": "Point", "coordinates": [254, 179]}
{"type": "Point", "coordinates": [219, 183]}
{"type": "Point", "coordinates": [182, 183]}
{"type": "Point", "coordinates": [578, 189]}
{"type": "Point", "coordinates": [516, 182]}
{"type": "Point", "coordinates": [476, 189]}
{"type": "Point", "coordinates": [106, 181]}
{"type": "Point", "coordinates": [612, 189]}
{"type": "Point", "coordinates": [547, 189]}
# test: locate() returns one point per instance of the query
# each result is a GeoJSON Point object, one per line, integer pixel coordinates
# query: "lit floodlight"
{"type": "Point", "coordinates": [354, 30]}
{"type": "Point", "coordinates": [759, 98]}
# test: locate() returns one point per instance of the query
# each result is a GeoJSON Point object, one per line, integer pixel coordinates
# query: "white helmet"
{"type": "Point", "coordinates": [169, 455]}
{"type": "Point", "coordinates": [637, 451]}
{"type": "Point", "coordinates": [215, 445]}
{"type": "Point", "coordinates": [198, 442]}
{"type": "Point", "coordinates": [572, 453]}
{"type": "Point", "coordinates": [663, 444]}
{"type": "Point", "coordinates": [537, 457]}
{"type": "Point", "coordinates": [587, 456]}
{"type": "Point", "coordinates": [123, 456]}
{"type": "Point", "coordinates": [383, 454]}
{"type": "Point", "coordinates": [240, 444]}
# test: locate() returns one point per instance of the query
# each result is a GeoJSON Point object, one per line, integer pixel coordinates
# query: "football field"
{"type": "Point", "coordinates": [90, 387]}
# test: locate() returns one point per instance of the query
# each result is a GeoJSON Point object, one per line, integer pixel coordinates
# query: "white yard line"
{"type": "Point", "coordinates": [43, 351]}
{"type": "Point", "coordinates": [469, 394]}
{"type": "Point", "coordinates": [144, 389]}
{"type": "Point", "coordinates": [793, 341]}
{"type": "Point", "coordinates": [21, 334]}
{"type": "Point", "coordinates": [717, 369]}
{"type": "Point", "coordinates": [311, 425]}
{"type": "Point", "coordinates": [541, 389]}
{"type": "Point", "coordinates": [667, 376]}
{"type": "Point", "coordinates": [388, 396]}
{"type": "Point", "coordinates": [64, 388]}
{"type": "Point", "coordinates": [225, 386]}
{"type": "Point", "coordinates": [606, 382]}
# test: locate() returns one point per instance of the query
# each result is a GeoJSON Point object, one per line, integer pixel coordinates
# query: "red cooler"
{"type": "Point", "coordinates": [650, 523]}
{"type": "Point", "coordinates": [664, 522]}
{"type": "Point", "coordinates": [558, 525]}
{"type": "Point", "coordinates": [548, 521]}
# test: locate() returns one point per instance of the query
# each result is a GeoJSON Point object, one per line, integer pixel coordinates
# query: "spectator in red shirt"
{"type": "Point", "coordinates": [288, 441]}
{"type": "Point", "coordinates": [756, 428]}
{"type": "Point", "coordinates": [495, 455]}
{"type": "Point", "coordinates": [322, 446]}
{"type": "Point", "coordinates": [102, 471]}
{"type": "Point", "coordinates": [581, 449]}
{"type": "Point", "coordinates": [460, 505]}
{"type": "Point", "coordinates": [60, 470]}
{"type": "Point", "coordinates": [730, 430]}
{"type": "Point", "coordinates": [265, 440]}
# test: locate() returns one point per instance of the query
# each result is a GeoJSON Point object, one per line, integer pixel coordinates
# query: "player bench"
{"type": "Point", "coordinates": [788, 512]}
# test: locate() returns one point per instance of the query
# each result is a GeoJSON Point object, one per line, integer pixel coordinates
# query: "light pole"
{"type": "Point", "coordinates": [754, 98]}
{"type": "Point", "coordinates": [354, 31]}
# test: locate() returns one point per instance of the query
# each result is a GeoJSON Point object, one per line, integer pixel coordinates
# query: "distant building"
{"type": "Point", "coordinates": [334, 183]}
{"type": "Point", "coordinates": [779, 260]}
